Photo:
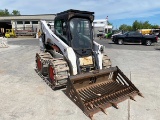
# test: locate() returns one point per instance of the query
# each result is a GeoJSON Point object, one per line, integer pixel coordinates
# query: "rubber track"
{"type": "Point", "coordinates": [60, 66]}
{"type": "Point", "coordinates": [106, 62]}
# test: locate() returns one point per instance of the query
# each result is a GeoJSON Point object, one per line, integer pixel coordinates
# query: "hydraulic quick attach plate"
{"type": "Point", "coordinates": [95, 91]}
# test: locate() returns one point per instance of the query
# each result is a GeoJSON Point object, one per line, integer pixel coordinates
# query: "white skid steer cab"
{"type": "Point", "coordinates": [70, 57]}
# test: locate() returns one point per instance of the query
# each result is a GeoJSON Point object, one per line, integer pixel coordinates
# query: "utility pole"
{"type": "Point", "coordinates": [106, 24]}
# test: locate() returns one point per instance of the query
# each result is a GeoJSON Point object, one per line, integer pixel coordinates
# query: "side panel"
{"type": "Point", "coordinates": [98, 54]}
{"type": "Point", "coordinates": [42, 47]}
{"type": "Point", "coordinates": [67, 51]}
{"type": "Point", "coordinates": [70, 55]}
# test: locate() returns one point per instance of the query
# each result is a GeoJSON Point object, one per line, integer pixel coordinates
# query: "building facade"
{"type": "Point", "coordinates": [28, 24]}
{"type": "Point", "coordinates": [24, 23]}
{"type": "Point", "coordinates": [101, 25]}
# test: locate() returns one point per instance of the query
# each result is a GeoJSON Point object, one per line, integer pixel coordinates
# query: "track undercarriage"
{"type": "Point", "coordinates": [55, 70]}
{"type": "Point", "coordinates": [93, 91]}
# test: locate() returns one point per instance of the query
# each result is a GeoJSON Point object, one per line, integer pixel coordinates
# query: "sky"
{"type": "Point", "coordinates": [118, 11]}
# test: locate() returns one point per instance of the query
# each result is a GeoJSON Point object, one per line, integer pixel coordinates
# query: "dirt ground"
{"type": "Point", "coordinates": [25, 96]}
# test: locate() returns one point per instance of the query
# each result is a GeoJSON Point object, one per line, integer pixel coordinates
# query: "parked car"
{"type": "Point", "coordinates": [135, 37]}
{"type": "Point", "coordinates": [119, 33]}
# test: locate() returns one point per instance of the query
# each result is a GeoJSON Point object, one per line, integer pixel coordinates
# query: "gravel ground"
{"type": "Point", "coordinates": [24, 95]}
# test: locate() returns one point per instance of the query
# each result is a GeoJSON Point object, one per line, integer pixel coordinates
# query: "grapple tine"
{"type": "Point", "coordinates": [115, 105]}
{"type": "Point", "coordinates": [132, 98]}
{"type": "Point", "coordinates": [99, 90]}
{"type": "Point", "coordinates": [140, 94]}
{"type": "Point", "coordinates": [103, 110]}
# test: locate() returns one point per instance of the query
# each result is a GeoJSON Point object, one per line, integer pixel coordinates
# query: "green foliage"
{"type": "Point", "coordinates": [141, 25]}
{"type": "Point", "coordinates": [16, 12]}
{"type": "Point", "coordinates": [147, 25]}
{"type": "Point", "coordinates": [155, 26]}
{"type": "Point", "coordinates": [5, 12]}
{"type": "Point", "coordinates": [138, 25]}
{"type": "Point", "coordinates": [125, 27]}
{"type": "Point", "coordinates": [109, 23]}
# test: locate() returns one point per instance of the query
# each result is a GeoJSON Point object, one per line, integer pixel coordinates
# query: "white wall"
{"type": "Point", "coordinates": [101, 24]}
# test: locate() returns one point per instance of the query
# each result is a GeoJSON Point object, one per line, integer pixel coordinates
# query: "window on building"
{"type": "Point", "coordinates": [19, 22]}
{"type": "Point", "coordinates": [34, 22]}
{"type": "Point", "coordinates": [27, 22]}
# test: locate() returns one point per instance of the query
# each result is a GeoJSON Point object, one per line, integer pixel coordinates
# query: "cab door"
{"type": "Point", "coordinates": [129, 37]}
{"type": "Point", "coordinates": [137, 37]}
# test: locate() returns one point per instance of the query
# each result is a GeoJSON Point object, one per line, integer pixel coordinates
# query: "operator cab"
{"type": "Point", "coordinates": [81, 37]}
{"type": "Point", "coordinates": [74, 27]}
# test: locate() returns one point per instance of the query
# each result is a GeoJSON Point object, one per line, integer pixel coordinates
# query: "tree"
{"type": "Point", "coordinates": [109, 23]}
{"type": "Point", "coordinates": [155, 26]}
{"type": "Point", "coordinates": [146, 25]}
{"type": "Point", "coordinates": [16, 12]}
{"type": "Point", "coordinates": [5, 12]}
{"type": "Point", "coordinates": [2, 13]}
{"type": "Point", "coordinates": [138, 25]}
{"type": "Point", "coordinates": [125, 27]}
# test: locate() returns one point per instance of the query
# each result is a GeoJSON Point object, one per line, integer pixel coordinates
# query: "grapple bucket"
{"type": "Point", "coordinates": [95, 91]}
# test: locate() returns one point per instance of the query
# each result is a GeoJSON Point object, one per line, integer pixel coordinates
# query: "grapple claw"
{"type": "Point", "coordinates": [95, 91]}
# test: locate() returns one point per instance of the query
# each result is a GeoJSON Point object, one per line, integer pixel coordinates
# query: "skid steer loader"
{"type": "Point", "coordinates": [70, 57]}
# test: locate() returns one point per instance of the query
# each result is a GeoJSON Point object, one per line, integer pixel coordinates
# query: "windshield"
{"type": "Point", "coordinates": [125, 33]}
{"type": "Point", "coordinates": [81, 33]}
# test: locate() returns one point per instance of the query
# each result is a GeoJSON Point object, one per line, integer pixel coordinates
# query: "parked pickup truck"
{"type": "Point", "coordinates": [134, 37]}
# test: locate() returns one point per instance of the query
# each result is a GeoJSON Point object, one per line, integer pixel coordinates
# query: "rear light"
{"type": "Point", "coordinates": [157, 38]}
